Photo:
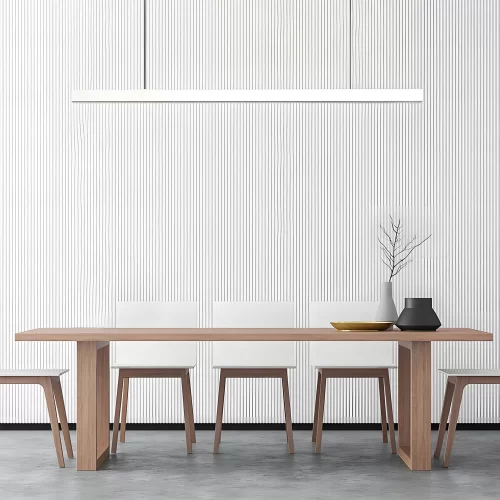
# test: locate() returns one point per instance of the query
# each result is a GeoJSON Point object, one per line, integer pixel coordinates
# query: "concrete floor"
{"type": "Point", "coordinates": [251, 465]}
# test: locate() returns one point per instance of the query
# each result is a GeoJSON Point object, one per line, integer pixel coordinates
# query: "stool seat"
{"type": "Point", "coordinates": [473, 372]}
{"type": "Point", "coordinates": [33, 373]}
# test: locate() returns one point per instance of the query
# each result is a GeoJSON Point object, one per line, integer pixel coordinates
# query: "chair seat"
{"type": "Point", "coordinates": [33, 373]}
{"type": "Point", "coordinates": [355, 367]}
{"type": "Point", "coordinates": [255, 366]}
{"type": "Point", "coordinates": [473, 372]}
{"type": "Point", "coordinates": [147, 367]}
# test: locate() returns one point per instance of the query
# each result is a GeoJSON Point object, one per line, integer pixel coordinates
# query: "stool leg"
{"type": "Point", "coordinates": [220, 410]}
{"type": "Point", "coordinates": [383, 413]}
{"type": "Point", "coordinates": [316, 405]}
{"type": "Point", "coordinates": [288, 412]}
{"type": "Point", "coordinates": [390, 415]}
{"type": "Point", "coordinates": [455, 410]}
{"type": "Point", "coordinates": [321, 411]}
{"type": "Point", "coordinates": [187, 418]}
{"type": "Point", "coordinates": [61, 410]}
{"type": "Point", "coordinates": [118, 407]}
{"type": "Point", "coordinates": [124, 410]}
{"type": "Point", "coordinates": [445, 412]}
{"type": "Point", "coordinates": [46, 383]}
{"type": "Point", "coordinates": [191, 411]}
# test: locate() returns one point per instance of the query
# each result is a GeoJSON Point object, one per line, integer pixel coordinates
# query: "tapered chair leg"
{"type": "Point", "coordinates": [220, 410]}
{"type": "Point", "coordinates": [187, 417]}
{"type": "Point", "coordinates": [118, 407]}
{"type": "Point", "coordinates": [46, 383]}
{"type": "Point", "coordinates": [452, 426]}
{"type": "Point", "coordinates": [445, 412]}
{"type": "Point", "coordinates": [383, 413]}
{"type": "Point", "coordinates": [61, 410]}
{"type": "Point", "coordinates": [288, 413]}
{"type": "Point", "coordinates": [191, 411]}
{"type": "Point", "coordinates": [124, 410]}
{"type": "Point", "coordinates": [316, 403]}
{"type": "Point", "coordinates": [321, 410]}
{"type": "Point", "coordinates": [390, 414]}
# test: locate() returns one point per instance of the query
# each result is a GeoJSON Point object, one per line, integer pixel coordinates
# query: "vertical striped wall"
{"type": "Point", "coordinates": [206, 202]}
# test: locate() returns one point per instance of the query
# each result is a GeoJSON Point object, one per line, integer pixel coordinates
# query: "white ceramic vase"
{"type": "Point", "coordinates": [386, 310]}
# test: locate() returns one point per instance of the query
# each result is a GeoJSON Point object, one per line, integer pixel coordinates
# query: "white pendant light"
{"type": "Point", "coordinates": [271, 95]}
{"type": "Point", "coordinates": [247, 95]}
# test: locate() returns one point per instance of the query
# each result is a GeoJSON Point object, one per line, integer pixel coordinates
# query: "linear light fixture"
{"type": "Point", "coordinates": [268, 95]}
{"type": "Point", "coordinates": [248, 95]}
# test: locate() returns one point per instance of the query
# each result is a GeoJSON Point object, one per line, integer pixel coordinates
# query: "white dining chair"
{"type": "Point", "coordinates": [350, 360]}
{"type": "Point", "coordinates": [154, 359]}
{"type": "Point", "coordinates": [51, 384]}
{"type": "Point", "coordinates": [254, 359]}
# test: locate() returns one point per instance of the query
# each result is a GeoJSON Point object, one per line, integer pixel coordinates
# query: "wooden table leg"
{"type": "Point", "coordinates": [92, 428]}
{"type": "Point", "coordinates": [414, 404]}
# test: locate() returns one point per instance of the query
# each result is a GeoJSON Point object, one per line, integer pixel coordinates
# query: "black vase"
{"type": "Point", "coordinates": [418, 315]}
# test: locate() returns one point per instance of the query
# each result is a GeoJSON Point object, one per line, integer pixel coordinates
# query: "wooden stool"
{"type": "Point", "coordinates": [385, 397]}
{"type": "Point", "coordinates": [121, 403]}
{"type": "Point", "coordinates": [51, 383]}
{"type": "Point", "coordinates": [457, 380]}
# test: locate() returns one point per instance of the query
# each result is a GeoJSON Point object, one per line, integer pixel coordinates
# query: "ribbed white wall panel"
{"type": "Point", "coordinates": [209, 202]}
{"type": "Point", "coordinates": [247, 44]}
{"type": "Point", "coordinates": [387, 43]}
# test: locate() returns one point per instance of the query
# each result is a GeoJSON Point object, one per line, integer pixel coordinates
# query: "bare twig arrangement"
{"type": "Point", "coordinates": [395, 253]}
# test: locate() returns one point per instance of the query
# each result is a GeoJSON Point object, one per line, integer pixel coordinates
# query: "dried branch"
{"type": "Point", "coordinates": [395, 253]}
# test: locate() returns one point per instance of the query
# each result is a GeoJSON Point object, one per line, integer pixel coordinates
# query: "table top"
{"type": "Point", "coordinates": [246, 334]}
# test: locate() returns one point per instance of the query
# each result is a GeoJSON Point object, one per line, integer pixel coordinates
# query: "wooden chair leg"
{"type": "Point", "coordinates": [316, 403]}
{"type": "Point", "coordinates": [124, 410]}
{"type": "Point", "coordinates": [191, 411]}
{"type": "Point", "coordinates": [445, 412]}
{"type": "Point", "coordinates": [118, 407]}
{"type": "Point", "coordinates": [288, 412]}
{"type": "Point", "coordinates": [383, 414]}
{"type": "Point", "coordinates": [61, 410]}
{"type": "Point", "coordinates": [46, 383]}
{"type": "Point", "coordinates": [452, 426]}
{"type": "Point", "coordinates": [321, 411]}
{"type": "Point", "coordinates": [220, 410]}
{"type": "Point", "coordinates": [390, 414]}
{"type": "Point", "coordinates": [187, 417]}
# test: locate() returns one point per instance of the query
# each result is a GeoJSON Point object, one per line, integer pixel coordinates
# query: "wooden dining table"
{"type": "Point", "coordinates": [93, 375]}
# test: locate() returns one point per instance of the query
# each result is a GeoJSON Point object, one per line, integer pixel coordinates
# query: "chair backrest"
{"type": "Point", "coordinates": [345, 354]}
{"type": "Point", "coordinates": [156, 315]}
{"type": "Point", "coordinates": [254, 315]}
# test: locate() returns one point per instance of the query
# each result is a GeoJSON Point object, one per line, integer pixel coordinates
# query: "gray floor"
{"type": "Point", "coordinates": [251, 465]}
